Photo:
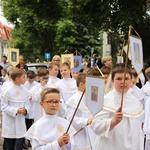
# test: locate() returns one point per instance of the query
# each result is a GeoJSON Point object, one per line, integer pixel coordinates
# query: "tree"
{"type": "Point", "coordinates": [47, 26]}
{"type": "Point", "coordinates": [56, 25]}
{"type": "Point", "coordinates": [117, 15]}
{"type": "Point", "coordinates": [34, 26]}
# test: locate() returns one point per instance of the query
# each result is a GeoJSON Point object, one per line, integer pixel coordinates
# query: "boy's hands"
{"type": "Point", "coordinates": [22, 111]}
{"type": "Point", "coordinates": [64, 139]}
{"type": "Point", "coordinates": [116, 119]}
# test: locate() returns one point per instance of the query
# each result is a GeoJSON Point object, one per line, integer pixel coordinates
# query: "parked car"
{"type": "Point", "coordinates": [35, 66]}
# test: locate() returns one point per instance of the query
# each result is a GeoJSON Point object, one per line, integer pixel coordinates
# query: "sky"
{"type": "Point", "coordinates": [3, 20]}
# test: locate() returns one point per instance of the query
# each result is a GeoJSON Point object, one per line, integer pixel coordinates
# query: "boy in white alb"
{"type": "Point", "coordinates": [48, 133]}
{"type": "Point", "coordinates": [53, 79]}
{"type": "Point", "coordinates": [137, 92]}
{"type": "Point", "coordinates": [7, 83]}
{"type": "Point", "coordinates": [4, 87]}
{"type": "Point", "coordinates": [67, 85]}
{"type": "Point", "coordinates": [146, 127]}
{"type": "Point", "coordinates": [53, 72]}
{"type": "Point", "coordinates": [15, 105]}
{"type": "Point", "coordinates": [84, 139]}
{"type": "Point", "coordinates": [116, 129]}
{"type": "Point", "coordinates": [28, 85]}
{"type": "Point", "coordinates": [43, 76]}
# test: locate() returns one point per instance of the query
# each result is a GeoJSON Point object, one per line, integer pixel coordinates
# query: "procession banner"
{"type": "Point", "coordinates": [136, 53]}
{"type": "Point", "coordinates": [69, 58]}
{"type": "Point", "coordinates": [77, 63]}
{"type": "Point", "coordinates": [94, 93]}
{"type": "Point", "coordinates": [13, 56]}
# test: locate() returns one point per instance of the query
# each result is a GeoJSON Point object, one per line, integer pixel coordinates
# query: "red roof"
{"type": "Point", "coordinates": [5, 32]}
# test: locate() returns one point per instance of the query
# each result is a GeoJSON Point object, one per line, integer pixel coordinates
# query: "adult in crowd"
{"type": "Point", "coordinates": [21, 63]}
{"type": "Point", "coordinates": [56, 60]}
{"type": "Point", "coordinates": [4, 62]}
{"type": "Point", "coordinates": [107, 61]}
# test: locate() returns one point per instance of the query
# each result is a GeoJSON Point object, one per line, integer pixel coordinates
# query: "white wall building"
{"type": "Point", "coordinates": [4, 34]}
{"type": "Point", "coordinates": [106, 45]}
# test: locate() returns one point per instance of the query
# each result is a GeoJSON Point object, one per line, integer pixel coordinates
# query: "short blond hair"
{"type": "Point", "coordinates": [46, 91]}
{"type": "Point", "coordinates": [106, 58]}
{"type": "Point", "coordinates": [66, 65]}
{"type": "Point", "coordinates": [56, 57]}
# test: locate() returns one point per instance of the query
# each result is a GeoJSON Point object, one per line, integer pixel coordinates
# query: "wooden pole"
{"type": "Point", "coordinates": [75, 111]}
{"type": "Point", "coordinates": [122, 48]}
{"type": "Point", "coordinates": [126, 61]}
{"type": "Point", "coordinates": [100, 71]}
{"type": "Point", "coordinates": [76, 52]}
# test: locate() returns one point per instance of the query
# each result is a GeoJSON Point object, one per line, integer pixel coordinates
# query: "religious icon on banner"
{"type": "Point", "coordinates": [77, 63]}
{"type": "Point", "coordinates": [136, 53]}
{"type": "Point", "coordinates": [13, 56]}
{"type": "Point", "coordinates": [68, 58]}
{"type": "Point", "coordinates": [94, 93]}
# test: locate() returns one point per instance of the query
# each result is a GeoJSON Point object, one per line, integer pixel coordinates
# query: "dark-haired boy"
{"type": "Point", "coordinates": [116, 129]}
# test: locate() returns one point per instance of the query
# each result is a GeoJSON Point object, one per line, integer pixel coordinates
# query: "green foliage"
{"type": "Point", "coordinates": [58, 25]}
{"type": "Point", "coordinates": [65, 34]}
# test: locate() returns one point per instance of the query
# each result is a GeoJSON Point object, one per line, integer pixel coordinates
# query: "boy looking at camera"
{"type": "Point", "coordinates": [116, 129]}
{"type": "Point", "coordinates": [48, 133]}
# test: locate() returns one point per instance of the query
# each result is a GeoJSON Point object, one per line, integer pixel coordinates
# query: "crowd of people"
{"type": "Point", "coordinates": [39, 109]}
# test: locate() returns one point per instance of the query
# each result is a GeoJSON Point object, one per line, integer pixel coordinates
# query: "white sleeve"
{"type": "Point", "coordinates": [78, 122]}
{"type": "Point", "coordinates": [48, 146]}
{"type": "Point", "coordinates": [35, 93]}
{"type": "Point", "coordinates": [101, 124]}
{"type": "Point", "coordinates": [5, 107]}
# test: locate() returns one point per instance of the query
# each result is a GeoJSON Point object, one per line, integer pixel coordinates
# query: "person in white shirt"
{"type": "Point", "coordinates": [84, 138]}
{"type": "Point", "coordinates": [146, 127]}
{"type": "Point", "coordinates": [67, 85]}
{"type": "Point", "coordinates": [4, 62]}
{"type": "Point", "coordinates": [15, 105]}
{"type": "Point", "coordinates": [28, 85]}
{"type": "Point", "coordinates": [53, 72]}
{"type": "Point", "coordinates": [4, 87]}
{"type": "Point", "coordinates": [116, 129]}
{"type": "Point", "coordinates": [4, 76]}
{"type": "Point", "coordinates": [49, 132]}
{"type": "Point", "coordinates": [43, 76]}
